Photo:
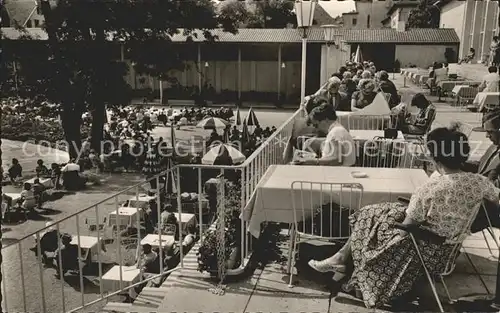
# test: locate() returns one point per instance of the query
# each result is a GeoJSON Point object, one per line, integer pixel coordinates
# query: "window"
{"type": "Point", "coordinates": [368, 21]}
{"type": "Point", "coordinates": [28, 24]}
{"type": "Point", "coordinates": [37, 23]}
{"type": "Point", "coordinates": [38, 10]}
{"type": "Point", "coordinates": [354, 21]}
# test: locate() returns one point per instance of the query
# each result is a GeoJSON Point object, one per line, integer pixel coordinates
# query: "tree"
{"type": "Point", "coordinates": [261, 13]}
{"type": "Point", "coordinates": [426, 15]}
{"type": "Point", "coordinates": [83, 36]}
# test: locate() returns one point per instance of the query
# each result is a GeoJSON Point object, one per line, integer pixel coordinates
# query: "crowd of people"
{"type": "Point", "coordinates": [30, 108]}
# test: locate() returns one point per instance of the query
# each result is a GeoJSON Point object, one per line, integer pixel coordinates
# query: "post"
{"type": "Point", "coordinates": [160, 82]}
{"type": "Point", "coordinates": [239, 73]}
{"type": "Point", "coordinates": [122, 52]}
{"type": "Point", "coordinates": [327, 59]}
{"type": "Point", "coordinates": [199, 66]}
{"type": "Point", "coordinates": [303, 71]}
{"type": "Point", "coordinates": [279, 71]}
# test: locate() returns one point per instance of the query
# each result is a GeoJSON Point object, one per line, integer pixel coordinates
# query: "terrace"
{"type": "Point", "coordinates": [254, 287]}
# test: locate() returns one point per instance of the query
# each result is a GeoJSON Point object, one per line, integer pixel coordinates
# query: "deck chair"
{"type": "Point", "coordinates": [428, 127]}
{"type": "Point", "coordinates": [417, 234]}
{"type": "Point", "coordinates": [320, 212]}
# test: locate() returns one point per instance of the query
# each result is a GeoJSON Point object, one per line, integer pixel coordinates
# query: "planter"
{"type": "Point", "coordinates": [232, 268]}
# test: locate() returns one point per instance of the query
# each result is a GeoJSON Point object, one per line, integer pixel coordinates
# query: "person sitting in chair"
{"type": "Point", "coordinates": [27, 200]}
{"type": "Point", "coordinates": [365, 96]}
{"type": "Point", "coordinates": [41, 170]}
{"type": "Point", "coordinates": [49, 242]}
{"type": "Point", "coordinates": [331, 94]}
{"type": "Point", "coordinates": [146, 259]}
{"type": "Point", "coordinates": [15, 171]}
{"type": "Point", "coordinates": [69, 256]}
{"type": "Point", "coordinates": [38, 192]}
{"type": "Point", "coordinates": [469, 57]}
{"type": "Point", "coordinates": [424, 119]}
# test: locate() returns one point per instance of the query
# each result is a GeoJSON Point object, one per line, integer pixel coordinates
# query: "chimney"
{"type": "Point", "coordinates": [401, 26]}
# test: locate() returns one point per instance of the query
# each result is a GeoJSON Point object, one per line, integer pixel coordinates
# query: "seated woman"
{"type": "Point", "coordinates": [71, 176]}
{"type": "Point", "coordinates": [41, 170]}
{"type": "Point", "coordinates": [385, 263]}
{"type": "Point", "coordinates": [337, 149]}
{"type": "Point", "coordinates": [15, 171]}
{"type": "Point", "coordinates": [469, 57]}
{"type": "Point", "coordinates": [27, 200]}
{"type": "Point", "coordinates": [424, 118]}
{"type": "Point", "coordinates": [365, 96]}
{"type": "Point", "coordinates": [55, 175]}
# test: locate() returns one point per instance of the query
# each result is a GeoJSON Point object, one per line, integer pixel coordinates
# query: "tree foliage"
{"type": "Point", "coordinates": [426, 15]}
{"type": "Point", "coordinates": [80, 66]}
{"type": "Point", "coordinates": [260, 13]}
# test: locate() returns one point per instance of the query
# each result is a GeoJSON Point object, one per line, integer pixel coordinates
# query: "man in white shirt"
{"type": "Point", "coordinates": [491, 81]}
{"type": "Point", "coordinates": [338, 148]}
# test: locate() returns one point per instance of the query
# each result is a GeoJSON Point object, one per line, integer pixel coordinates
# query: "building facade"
{"type": "Point", "coordinates": [368, 14]}
{"type": "Point", "coordinates": [475, 22]}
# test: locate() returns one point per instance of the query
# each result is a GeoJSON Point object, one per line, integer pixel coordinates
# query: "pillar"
{"type": "Point", "coordinates": [279, 71]}
{"type": "Point", "coordinates": [488, 25]}
{"type": "Point", "coordinates": [476, 28]}
{"type": "Point", "coordinates": [200, 67]}
{"type": "Point", "coordinates": [467, 28]}
{"type": "Point", "coordinates": [239, 73]}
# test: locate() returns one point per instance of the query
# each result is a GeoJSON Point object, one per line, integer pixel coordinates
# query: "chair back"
{"type": "Point", "coordinates": [465, 128]}
{"type": "Point", "coordinates": [322, 210]}
{"type": "Point", "coordinates": [169, 229]}
{"type": "Point", "coordinates": [368, 122]}
{"type": "Point", "coordinates": [385, 153]}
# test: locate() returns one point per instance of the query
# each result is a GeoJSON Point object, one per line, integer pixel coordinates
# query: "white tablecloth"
{"type": "Point", "coordinates": [272, 199]}
{"type": "Point", "coordinates": [88, 244]}
{"type": "Point", "coordinates": [127, 216]}
{"type": "Point", "coordinates": [487, 99]}
{"type": "Point", "coordinates": [362, 121]}
{"type": "Point", "coordinates": [154, 240]}
{"type": "Point", "coordinates": [46, 182]}
{"type": "Point", "coordinates": [130, 276]}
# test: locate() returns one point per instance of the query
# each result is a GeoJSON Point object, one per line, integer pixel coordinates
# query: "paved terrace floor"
{"type": "Point", "coordinates": [267, 289]}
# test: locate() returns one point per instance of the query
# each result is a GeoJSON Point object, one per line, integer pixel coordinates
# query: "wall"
{"type": "Point", "coordinates": [421, 55]}
{"type": "Point", "coordinates": [452, 16]}
{"type": "Point", "coordinates": [377, 10]}
{"type": "Point", "coordinates": [332, 59]}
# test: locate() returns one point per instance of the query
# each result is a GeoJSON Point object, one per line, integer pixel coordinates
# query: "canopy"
{"type": "Point", "coordinates": [212, 123]}
{"type": "Point", "coordinates": [251, 118]}
{"type": "Point", "coordinates": [223, 154]}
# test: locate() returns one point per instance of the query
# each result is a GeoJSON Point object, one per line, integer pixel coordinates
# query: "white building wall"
{"type": "Point", "coordinates": [452, 16]}
{"type": "Point", "coordinates": [332, 58]}
{"type": "Point", "coordinates": [421, 55]}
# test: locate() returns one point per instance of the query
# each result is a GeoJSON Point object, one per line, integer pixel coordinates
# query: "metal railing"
{"type": "Point", "coordinates": [108, 237]}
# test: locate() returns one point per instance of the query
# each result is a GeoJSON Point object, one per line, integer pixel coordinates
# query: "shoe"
{"type": "Point", "coordinates": [325, 266]}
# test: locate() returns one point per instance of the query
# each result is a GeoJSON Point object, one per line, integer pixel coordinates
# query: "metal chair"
{"type": "Point", "coordinates": [385, 153]}
{"type": "Point", "coordinates": [418, 234]}
{"type": "Point", "coordinates": [368, 122]}
{"type": "Point", "coordinates": [93, 224]}
{"type": "Point", "coordinates": [308, 201]}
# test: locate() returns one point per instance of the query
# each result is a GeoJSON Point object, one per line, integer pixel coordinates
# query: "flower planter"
{"type": "Point", "coordinates": [231, 268]}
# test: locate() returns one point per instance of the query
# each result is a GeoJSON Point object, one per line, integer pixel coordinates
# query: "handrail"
{"type": "Point", "coordinates": [206, 166]}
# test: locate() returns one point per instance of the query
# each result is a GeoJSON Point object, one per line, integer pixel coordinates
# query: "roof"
{"type": "Point", "coordinates": [321, 17]}
{"type": "Point", "coordinates": [290, 35]}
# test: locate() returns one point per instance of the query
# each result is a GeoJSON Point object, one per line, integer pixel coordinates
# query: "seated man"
{"type": "Point", "coordinates": [469, 57]}
{"type": "Point", "coordinates": [388, 87]}
{"type": "Point", "coordinates": [49, 242]}
{"type": "Point", "coordinates": [71, 176]}
{"type": "Point", "coordinates": [338, 146]}
{"type": "Point", "coordinates": [146, 259]}
{"type": "Point", "coordinates": [425, 117]}
{"type": "Point", "coordinates": [331, 94]}
{"type": "Point", "coordinates": [38, 192]}
{"type": "Point", "coordinates": [69, 256]}
{"type": "Point", "coordinates": [15, 171]}
{"type": "Point", "coordinates": [41, 170]}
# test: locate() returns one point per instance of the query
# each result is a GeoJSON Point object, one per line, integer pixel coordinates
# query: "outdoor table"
{"type": "Point", "coordinates": [154, 240]}
{"type": "Point", "coordinates": [448, 85]}
{"type": "Point", "coordinates": [186, 219]}
{"type": "Point", "coordinates": [88, 244]}
{"type": "Point", "coordinates": [127, 216]}
{"type": "Point", "coordinates": [14, 195]}
{"type": "Point", "coordinates": [46, 182]}
{"type": "Point", "coordinates": [130, 276]}
{"type": "Point", "coordinates": [271, 200]}
{"type": "Point", "coordinates": [486, 99]}
{"type": "Point", "coordinates": [139, 202]}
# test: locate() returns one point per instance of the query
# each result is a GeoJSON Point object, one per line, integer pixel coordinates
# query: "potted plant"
{"type": "Point", "coordinates": [208, 251]}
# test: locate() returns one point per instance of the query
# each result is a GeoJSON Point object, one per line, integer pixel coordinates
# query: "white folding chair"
{"type": "Point", "coordinates": [93, 224]}
{"type": "Point", "coordinates": [455, 244]}
{"type": "Point", "coordinates": [465, 128]}
{"type": "Point", "coordinates": [308, 202]}
{"type": "Point", "coordinates": [368, 122]}
{"type": "Point", "coordinates": [386, 153]}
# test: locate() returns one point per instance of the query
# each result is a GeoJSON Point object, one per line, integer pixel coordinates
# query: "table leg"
{"type": "Point", "coordinates": [290, 250]}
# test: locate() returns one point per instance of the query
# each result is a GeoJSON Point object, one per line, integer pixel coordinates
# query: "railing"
{"type": "Point", "coordinates": [27, 286]}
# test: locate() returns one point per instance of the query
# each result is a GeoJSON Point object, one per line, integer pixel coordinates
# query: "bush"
{"type": "Point", "coordinates": [14, 127]}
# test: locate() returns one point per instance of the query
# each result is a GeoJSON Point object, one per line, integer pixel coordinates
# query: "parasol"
{"type": "Point", "coordinates": [212, 123]}
{"type": "Point", "coordinates": [223, 154]}
{"type": "Point", "coordinates": [238, 117]}
{"type": "Point", "coordinates": [251, 118]}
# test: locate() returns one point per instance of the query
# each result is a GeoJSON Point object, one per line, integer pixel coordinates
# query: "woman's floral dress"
{"type": "Point", "coordinates": [385, 262]}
